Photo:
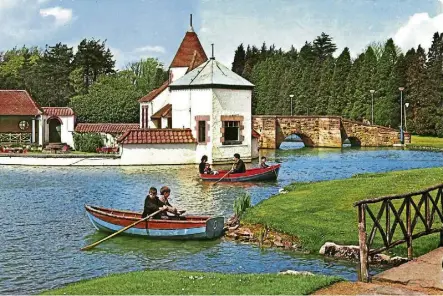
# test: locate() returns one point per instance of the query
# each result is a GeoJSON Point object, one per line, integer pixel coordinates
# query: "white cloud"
{"type": "Point", "coordinates": [27, 22]}
{"type": "Point", "coordinates": [62, 15]}
{"type": "Point", "coordinates": [148, 48]}
{"type": "Point", "coordinates": [418, 30]}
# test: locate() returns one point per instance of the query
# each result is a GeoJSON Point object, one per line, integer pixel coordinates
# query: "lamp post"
{"type": "Point", "coordinates": [401, 89]}
{"type": "Point", "coordinates": [291, 96]}
{"type": "Point", "coordinates": [406, 126]}
{"type": "Point", "coordinates": [372, 106]}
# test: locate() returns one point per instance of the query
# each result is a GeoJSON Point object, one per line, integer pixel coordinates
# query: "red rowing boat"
{"type": "Point", "coordinates": [256, 174]}
{"type": "Point", "coordinates": [191, 227]}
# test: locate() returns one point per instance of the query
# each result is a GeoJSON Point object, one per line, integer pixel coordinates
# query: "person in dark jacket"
{"type": "Point", "coordinates": [152, 204]}
{"type": "Point", "coordinates": [263, 164]}
{"type": "Point", "coordinates": [202, 165]}
{"type": "Point", "coordinates": [239, 165]}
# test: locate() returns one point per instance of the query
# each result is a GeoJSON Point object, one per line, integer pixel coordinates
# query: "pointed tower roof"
{"type": "Point", "coordinates": [211, 74]}
{"type": "Point", "coordinates": [189, 48]}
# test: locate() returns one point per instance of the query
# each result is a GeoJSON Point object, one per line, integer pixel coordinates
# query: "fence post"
{"type": "Point", "coordinates": [440, 193]}
{"type": "Point", "coordinates": [409, 227]}
{"type": "Point", "coordinates": [364, 268]}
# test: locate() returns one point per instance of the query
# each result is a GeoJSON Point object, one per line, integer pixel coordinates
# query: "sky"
{"type": "Point", "coordinates": [135, 29]}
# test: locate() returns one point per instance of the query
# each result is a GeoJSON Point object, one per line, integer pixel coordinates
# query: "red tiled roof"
{"type": "Point", "coordinates": [109, 128]}
{"type": "Point", "coordinates": [185, 53]}
{"type": "Point", "coordinates": [17, 102]}
{"type": "Point", "coordinates": [154, 93]}
{"type": "Point", "coordinates": [255, 134]}
{"type": "Point", "coordinates": [58, 111]}
{"type": "Point", "coordinates": [165, 111]}
{"type": "Point", "coordinates": [157, 136]}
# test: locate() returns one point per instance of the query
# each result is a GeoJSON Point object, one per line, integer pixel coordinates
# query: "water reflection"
{"type": "Point", "coordinates": [44, 223]}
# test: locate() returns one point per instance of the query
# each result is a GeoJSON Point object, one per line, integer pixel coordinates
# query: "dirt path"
{"type": "Point", "coordinates": [376, 288]}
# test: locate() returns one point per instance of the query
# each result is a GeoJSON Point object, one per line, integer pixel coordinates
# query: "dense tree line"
{"type": "Point", "coordinates": [326, 85]}
{"type": "Point", "coordinates": [85, 80]}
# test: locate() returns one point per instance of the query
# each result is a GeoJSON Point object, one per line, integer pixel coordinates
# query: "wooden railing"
{"type": "Point", "coordinates": [15, 138]}
{"type": "Point", "coordinates": [417, 214]}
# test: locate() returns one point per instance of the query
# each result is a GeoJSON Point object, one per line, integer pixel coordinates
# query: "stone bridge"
{"type": "Point", "coordinates": [323, 131]}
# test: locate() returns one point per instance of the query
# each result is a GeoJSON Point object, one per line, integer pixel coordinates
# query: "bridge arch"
{"type": "Point", "coordinates": [353, 141]}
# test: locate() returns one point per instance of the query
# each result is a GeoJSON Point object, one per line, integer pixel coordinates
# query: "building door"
{"type": "Point", "coordinates": [54, 131]}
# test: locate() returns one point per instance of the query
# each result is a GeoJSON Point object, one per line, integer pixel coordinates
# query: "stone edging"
{"type": "Point", "coordinates": [265, 237]}
{"type": "Point", "coordinates": [423, 148]}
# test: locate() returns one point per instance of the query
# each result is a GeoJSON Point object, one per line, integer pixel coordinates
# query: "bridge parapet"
{"type": "Point", "coordinates": [322, 131]}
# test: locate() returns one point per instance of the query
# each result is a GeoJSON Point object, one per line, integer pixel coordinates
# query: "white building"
{"type": "Point", "coordinates": [202, 99]}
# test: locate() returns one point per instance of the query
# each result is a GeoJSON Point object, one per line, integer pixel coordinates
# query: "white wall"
{"type": "Point", "coordinates": [66, 129]}
{"type": "Point", "coordinates": [231, 102]}
{"type": "Point", "coordinates": [254, 148]}
{"type": "Point", "coordinates": [143, 154]}
{"type": "Point", "coordinates": [178, 72]}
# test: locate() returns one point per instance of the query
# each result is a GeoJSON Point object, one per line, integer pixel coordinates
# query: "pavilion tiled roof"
{"type": "Point", "coordinates": [58, 111]}
{"type": "Point", "coordinates": [157, 136]}
{"type": "Point", "coordinates": [108, 128]}
{"type": "Point", "coordinates": [18, 102]}
{"type": "Point", "coordinates": [165, 111]}
{"type": "Point", "coordinates": [185, 53]}
{"type": "Point", "coordinates": [154, 93]}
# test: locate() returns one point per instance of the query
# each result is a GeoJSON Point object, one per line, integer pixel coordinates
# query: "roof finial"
{"type": "Point", "coordinates": [191, 28]}
{"type": "Point", "coordinates": [212, 55]}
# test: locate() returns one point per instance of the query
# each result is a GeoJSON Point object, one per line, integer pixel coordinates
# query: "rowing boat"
{"type": "Point", "coordinates": [189, 227]}
{"type": "Point", "coordinates": [256, 174]}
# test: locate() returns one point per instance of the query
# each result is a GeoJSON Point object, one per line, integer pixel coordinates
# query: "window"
{"type": "Point", "coordinates": [23, 125]}
{"type": "Point", "coordinates": [202, 128]}
{"type": "Point", "coordinates": [232, 130]}
{"type": "Point", "coordinates": [202, 131]}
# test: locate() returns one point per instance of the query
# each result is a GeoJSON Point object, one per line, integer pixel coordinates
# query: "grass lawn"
{"type": "Point", "coordinates": [186, 283]}
{"type": "Point", "coordinates": [323, 211]}
{"type": "Point", "coordinates": [426, 141]}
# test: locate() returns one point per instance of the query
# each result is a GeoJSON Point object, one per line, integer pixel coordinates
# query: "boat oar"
{"type": "Point", "coordinates": [120, 231]}
{"type": "Point", "coordinates": [222, 177]}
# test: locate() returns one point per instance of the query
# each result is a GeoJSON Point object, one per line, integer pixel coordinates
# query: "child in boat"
{"type": "Point", "coordinates": [165, 192]}
{"type": "Point", "coordinates": [208, 170]}
{"type": "Point", "coordinates": [263, 164]}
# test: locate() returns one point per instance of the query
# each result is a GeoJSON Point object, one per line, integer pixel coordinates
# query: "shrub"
{"type": "Point", "coordinates": [87, 142]}
{"type": "Point", "coordinates": [241, 203]}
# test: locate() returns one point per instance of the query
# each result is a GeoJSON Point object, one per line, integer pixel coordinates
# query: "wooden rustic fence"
{"type": "Point", "coordinates": [417, 214]}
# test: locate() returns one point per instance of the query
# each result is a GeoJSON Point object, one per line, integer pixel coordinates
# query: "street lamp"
{"type": "Point", "coordinates": [406, 126]}
{"type": "Point", "coordinates": [291, 96]}
{"type": "Point", "coordinates": [401, 89]}
{"type": "Point", "coordinates": [372, 106]}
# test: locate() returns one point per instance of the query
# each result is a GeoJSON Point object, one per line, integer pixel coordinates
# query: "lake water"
{"type": "Point", "coordinates": [44, 223]}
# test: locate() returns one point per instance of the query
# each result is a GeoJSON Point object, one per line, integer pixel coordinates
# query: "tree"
{"type": "Point", "coordinates": [343, 65]}
{"type": "Point", "coordinates": [238, 64]}
{"type": "Point", "coordinates": [147, 74]}
{"type": "Point", "coordinates": [55, 69]}
{"type": "Point", "coordinates": [95, 59]}
{"type": "Point", "coordinates": [113, 98]}
{"type": "Point", "coordinates": [323, 47]}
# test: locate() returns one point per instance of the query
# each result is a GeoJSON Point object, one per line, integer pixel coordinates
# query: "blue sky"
{"type": "Point", "coordinates": [141, 28]}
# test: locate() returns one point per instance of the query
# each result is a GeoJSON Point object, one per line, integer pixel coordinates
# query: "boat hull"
{"type": "Point", "coordinates": [252, 175]}
{"type": "Point", "coordinates": [194, 227]}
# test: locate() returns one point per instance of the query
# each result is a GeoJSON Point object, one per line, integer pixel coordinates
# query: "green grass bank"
{"type": "Point", "coordinates": [323, 211]}
{"type": "Point", "coordinates": [196, 283]}
{"type": "Point", "coordinates": [425, 143]}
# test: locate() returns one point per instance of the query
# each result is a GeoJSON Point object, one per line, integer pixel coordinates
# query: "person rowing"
{"type": "Point", "coordinates": [153, 204]}
{"type": "Point", "coordinates": [238, 166]}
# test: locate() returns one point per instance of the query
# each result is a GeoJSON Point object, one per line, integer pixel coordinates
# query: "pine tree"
{"type": "Point", "coordinates": [238, 65]}
{"type": "Point", "coordinates": [337, 104]}
{"type": "Point", "coordinates": [323, 47]}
